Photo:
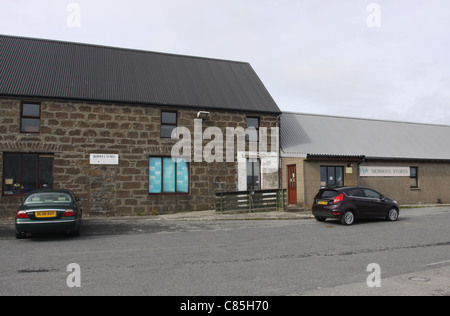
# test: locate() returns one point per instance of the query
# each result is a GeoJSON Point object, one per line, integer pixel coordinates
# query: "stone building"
{"type": "Point", "coordinates": [406, 161]}
{"type": "Point", "coordinates": [99, 120]}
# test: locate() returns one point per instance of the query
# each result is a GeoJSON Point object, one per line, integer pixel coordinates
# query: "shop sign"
{"type": "Point", "coordinates": [104, 159]}
{"type": "Point", "coordinates": [384, 171]}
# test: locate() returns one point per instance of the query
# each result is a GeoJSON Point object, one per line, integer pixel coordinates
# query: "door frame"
{"type": "Point", "coordinates": [292, 198]}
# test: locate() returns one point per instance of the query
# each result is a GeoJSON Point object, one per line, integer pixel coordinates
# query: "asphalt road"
{"type": "Point", "coordinates": [146, 256]}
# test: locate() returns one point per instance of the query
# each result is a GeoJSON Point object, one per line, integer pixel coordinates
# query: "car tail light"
{"type": "Point", "coordinates": [22, 214]}
{"type": "Point", "coordinates": [339, 198]}
{"type": "Point", "coordinates": [69, 213]}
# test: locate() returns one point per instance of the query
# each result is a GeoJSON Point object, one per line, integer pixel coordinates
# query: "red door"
{"type": "Point", "coordinates": [292, 185]}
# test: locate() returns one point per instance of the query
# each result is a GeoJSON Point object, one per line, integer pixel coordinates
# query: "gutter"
{"type": "Point", "coordinates": [280, 164]}
{"type": "Point", "coordinates": [363, 159]}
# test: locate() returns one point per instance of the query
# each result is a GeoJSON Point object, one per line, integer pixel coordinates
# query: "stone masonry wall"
{"type": "Point", "coordinates": [73, 131]}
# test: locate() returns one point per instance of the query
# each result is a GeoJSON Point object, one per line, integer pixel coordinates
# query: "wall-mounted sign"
{"type": "Point", "coordinates": [104, 159]}
{"type": "Point", "coordinates": [384, 171]}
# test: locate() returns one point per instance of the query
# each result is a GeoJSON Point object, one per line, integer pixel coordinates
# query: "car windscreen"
{"type": "Point", "coordinates": [327, 194]}
{"type": "Point", "coordinates": [48, 198]}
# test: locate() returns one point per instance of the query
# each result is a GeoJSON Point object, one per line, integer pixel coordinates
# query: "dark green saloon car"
{"type": "Point", "coordinates": [49, 211]}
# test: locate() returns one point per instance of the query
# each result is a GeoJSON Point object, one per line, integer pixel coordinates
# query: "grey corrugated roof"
{"type": "Point", "coordinates": [52, 69]}
{"type": "Point", "coordinates": [307, 134]}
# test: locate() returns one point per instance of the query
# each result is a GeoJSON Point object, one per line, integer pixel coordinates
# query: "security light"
{"type": "Point", "coordinates": [203, 115]}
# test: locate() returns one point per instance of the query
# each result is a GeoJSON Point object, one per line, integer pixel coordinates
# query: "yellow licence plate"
{"type": "Point", "coordinates": [323, 203]}
{"type": "Point", "coordinates": [47, 214]}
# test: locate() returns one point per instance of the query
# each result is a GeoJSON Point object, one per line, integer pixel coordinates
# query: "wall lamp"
{"type": "Point", "coordinates": [203, 115]}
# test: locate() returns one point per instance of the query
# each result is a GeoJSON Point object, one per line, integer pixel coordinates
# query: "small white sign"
{"type": "Point", "coordinates": [104, 159]}
{"type": "Point", "coordinates": [385, 171]}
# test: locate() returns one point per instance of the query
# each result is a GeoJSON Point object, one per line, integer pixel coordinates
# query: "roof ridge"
{"type": "Point", "coordinates": [115, 74]}
{"type": "Point", "coordinates": [363, 119]}
{"type": "Point", "coordinates": [122, 49]}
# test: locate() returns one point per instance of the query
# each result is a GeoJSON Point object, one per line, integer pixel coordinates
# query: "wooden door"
{"type": "Point", "coordinates": [292, 185]}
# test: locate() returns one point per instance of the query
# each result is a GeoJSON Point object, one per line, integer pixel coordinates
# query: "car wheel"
{"type": "Point", "coordinates": [348, 218]}
{"type": "Point", "coordinates": [320, 219]}
{"type": "Point", "coordinates": [392, 215]}
{"type": "Point", "coordinates": [21, 235]}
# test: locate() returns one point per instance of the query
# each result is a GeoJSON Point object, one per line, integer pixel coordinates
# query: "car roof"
{"type": "Point", "coordinates": [342, 189]}
{"type": "Point", "coordinates": [51, 191]}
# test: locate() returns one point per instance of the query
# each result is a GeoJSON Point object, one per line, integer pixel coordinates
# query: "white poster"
{"type": "Point", "coordinates": [385, 171]}
{"type": "Point", "coordinates": [104, 159]}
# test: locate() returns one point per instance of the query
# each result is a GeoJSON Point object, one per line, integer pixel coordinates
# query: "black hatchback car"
{"type": "Point", "coordinates": [350, 203]}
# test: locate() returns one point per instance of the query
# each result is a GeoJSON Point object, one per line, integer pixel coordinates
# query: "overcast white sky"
{"type": "Point", "coordinates": [314, 56]}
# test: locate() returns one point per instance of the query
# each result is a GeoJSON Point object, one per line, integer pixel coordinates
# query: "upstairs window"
{"type": "Point", "coordinates": [30, 118]}
{"type": "Point", "coordinates": [253, 129]}
{"type": "Point", "coordinates": [168, 123]}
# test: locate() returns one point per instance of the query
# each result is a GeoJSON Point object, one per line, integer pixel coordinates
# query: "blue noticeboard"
{"type": "Point", "coordinates": [155, 175]}
{"type": "Point", "coordinates": [182, 176]}
{"type": "Point", "coordinates": [167, 175]}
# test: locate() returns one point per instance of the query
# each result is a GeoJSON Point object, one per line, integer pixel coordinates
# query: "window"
{"type": "Point", "coordinates": [48, 198]}
{"type": "Point", "coordinates": [168, 123]}
{"type": "Point", "coordinates": [414, 178]}
{"type": "Point", "coordinates": [331, 177]}
{"type": "Point", "coordinates": [372, 194]}
{"type": "Point", "coordinates": [168, 176]}
{"type": "Point", "coordinates": [327, 194]}
{"type": "Point", "coordinates": [30, 118]}
{"type": "Point", "coordinates": [357, 193]}
{"type": "Point", "coordinates": [253, 175]}
{"type": "Point", "coordinates": [24, 173]}
{"type": "Point", "coordinates": [252, 129]}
